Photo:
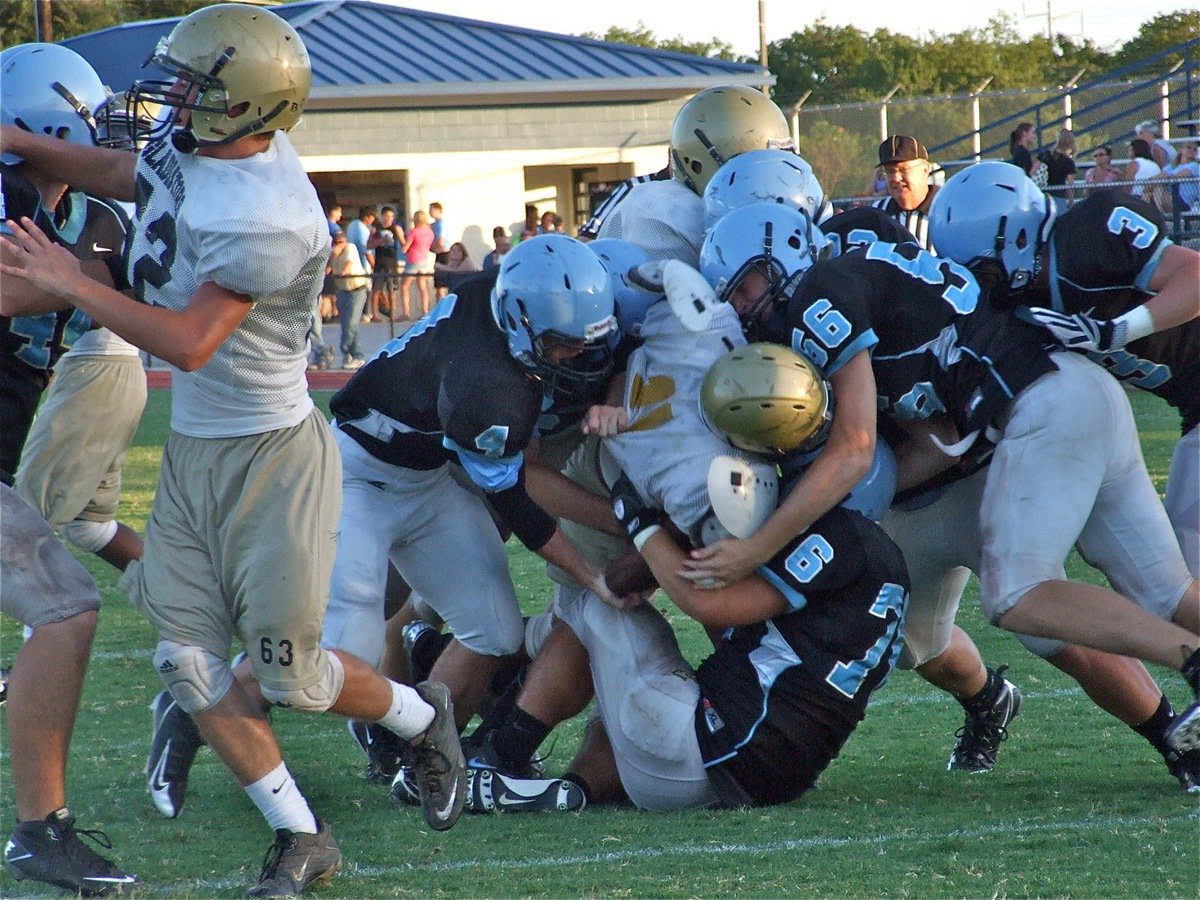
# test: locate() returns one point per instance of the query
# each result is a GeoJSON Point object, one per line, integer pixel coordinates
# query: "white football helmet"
{"type": "Point", "coordinates": [552, 290]}
{"type": "Point", "coordinates": [992, 210]}
{"type": "Point", "coordinates": [765, 176]}
{"type": "Point", "coordinates": [50, 90]}
{"type": "Point", "coordinates": [773, 239]}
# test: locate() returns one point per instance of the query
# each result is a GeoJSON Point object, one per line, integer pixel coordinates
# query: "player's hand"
{"type": "Point", "coordinates": [719, 564]}
{"type": "Point", "coordinates": [600, 588]}
{"type": "Point", "coordinates": [30, 255]}
{"type": "Point", "coordinates": [629, 508]}
{"type": "Point", "coordinates": [1076, 332]}
{"type": "Point", "coordinates": [691, 297]}
{"type": "Point", "coordinates": [630, 574]}
{"type": "Point", "coordinates": [605, 421]}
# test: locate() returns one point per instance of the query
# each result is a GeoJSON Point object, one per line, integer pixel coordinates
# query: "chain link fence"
{"type": "Point", "coordinates": [841, 141]}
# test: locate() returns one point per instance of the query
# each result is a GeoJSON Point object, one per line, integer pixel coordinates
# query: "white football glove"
{"type": "Point", "coordinates": [1078, 332]}
{"type": "Point", "coordinates": [689, 294]}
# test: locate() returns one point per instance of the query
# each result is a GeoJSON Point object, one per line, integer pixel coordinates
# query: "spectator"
{"type": "Point", "coordinates": [350, 279]}
{"type": "Point", "coordinates": [548, 224]}
{"type": "Point", "coordinates": [500, 239]}
{"type": "Point", "coordinates": [385, 243]}
{"type": "Point", "coordinates": [1104, 171]}
{"type": "Point", "coordinates": [440, 242]}
{"type": "Point", "coordinates": [1141, 168]}
{"type": "Point", "coordinates": [359, 234]}
{"type": "Point", "coordinates": [418, 263]}
{"type": "Point", "coordinates": [905, 164]}
{"type": "Point", "coordinates": [1185, 169]}
{"type": "Point", "coordinates": [458, 262]}
{"type": "Point", "coordinates": [878, 186]}
{"type": "Point", "coordinates": [1060, 166]}
{"type": "Point", "coordinates": [1021, 144]}
{"type": "Point", "coordinates": [1161, 150]}
{"type": "Point", "coordinates": [334, 215]}
{"type": "Point", "coordinates": [530, 228]}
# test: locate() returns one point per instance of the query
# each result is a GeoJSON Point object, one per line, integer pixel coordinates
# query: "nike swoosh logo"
{"type": "Point", "coordinates": [506, 800]}
{"type": "Point", "coordinates": [157, 784]}
{"type": "Point", "coordinates": [276, 790]}
{"type": "Point", "coordinates": [444, 812]}
{"type": "Point", "coordinates": [96, 248]}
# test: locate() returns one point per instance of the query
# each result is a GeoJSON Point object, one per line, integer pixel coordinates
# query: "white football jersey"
{"type": "Point", "coordinates": [667, 448]}
{"type": "Point", "coordinates": [256, 227]}
{"type": "Point", "coordinates": [664, 218]}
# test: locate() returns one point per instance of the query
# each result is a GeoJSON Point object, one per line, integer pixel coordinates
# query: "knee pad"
{"type": "Point", "coordinates": [196, 678]}
{"type": "Point", "coordinates": [318, 696]}
{"type": "Point", "coordinates": [1040, 646]}
{"type": "Point", "coordinates": [89, 537]}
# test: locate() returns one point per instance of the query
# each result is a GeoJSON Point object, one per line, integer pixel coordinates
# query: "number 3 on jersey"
{"type": "Point", "coordinates": [1123, 219]}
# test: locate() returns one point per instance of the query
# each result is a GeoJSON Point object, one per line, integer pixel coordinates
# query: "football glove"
{"type": "Point", "coordinates": [631, 511]}
{"type": "Point", "coordinates": [1078, 331]}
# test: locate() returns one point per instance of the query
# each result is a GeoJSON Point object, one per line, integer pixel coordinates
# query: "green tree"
{"type": "Point", "coordinates": [1159, 34]}
{"type": "Point", "coordinates": [68, 19]}
{"type": "Point", "coordinates": [641, 36]}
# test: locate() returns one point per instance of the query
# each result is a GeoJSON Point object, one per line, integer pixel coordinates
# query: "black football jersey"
{"type": "Point", "coordinates": [936, 346]}
{"type": "Point", "coordinates": [446, 387]}
{"type": "Point", "coordinates": [30, 345]}
{"type": "Point", "coordinates": [1102, 254]}
{"type": "Point", "coordinates": [863, 225]}
{"type": "Point", "coordinates": [778, 699]}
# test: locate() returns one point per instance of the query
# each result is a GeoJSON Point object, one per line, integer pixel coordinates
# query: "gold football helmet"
{"type": "Point", "coordinates": [766, 398]}
{"type": "Point", "coordinates": [719, 123]}
{"type": "Point", "coordinates": [238, 69]}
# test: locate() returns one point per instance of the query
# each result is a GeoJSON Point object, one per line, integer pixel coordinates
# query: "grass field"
{"type": "Point", "coordinates": [1079, 805]}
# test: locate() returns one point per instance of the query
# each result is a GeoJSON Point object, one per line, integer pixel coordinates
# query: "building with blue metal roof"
{"type": "Point", "coordinates": [410, 107]}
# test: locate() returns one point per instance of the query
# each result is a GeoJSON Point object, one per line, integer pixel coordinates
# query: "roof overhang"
{"type": "Point", "coordinates": [512, 93]}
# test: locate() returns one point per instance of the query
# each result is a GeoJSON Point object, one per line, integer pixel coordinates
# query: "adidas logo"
{"type": "Point", "coordinates": [168, 667]}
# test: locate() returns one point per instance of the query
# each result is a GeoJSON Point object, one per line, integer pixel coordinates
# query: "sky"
{"type": "Point", "coordinates": [1107, 22]}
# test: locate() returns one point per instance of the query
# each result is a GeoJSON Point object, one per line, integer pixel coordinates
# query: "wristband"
{"type": "Point", "coordinates": [639, 539]}
{"type": "Point", "coordinates": [1137, 324]}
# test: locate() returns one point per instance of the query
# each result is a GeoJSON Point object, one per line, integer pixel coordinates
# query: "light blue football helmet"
{"type": "Point", "coordinates": [992, 210]}
{"type": "Point", "coordinates": [632, 301]}
{"type": "Point", "coordinates": [50, 90]}
{"type": "Point", "coordinates": [771, 238]}
{"type": "Point", "coordinates": [551, 291]}
{"type": "Point", "coordinates": [764, 176]}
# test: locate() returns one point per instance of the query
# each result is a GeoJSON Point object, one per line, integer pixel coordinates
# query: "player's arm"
{"type": "Point", "coordinates": [101, 171]}
{"type": "Point", "coordinates": [562, 498]}
{"type": "Point", "coordinates": [1176, 286]}
{"type": "Point", "coordinates": [185, 338]}
{"type": "Point", "coordinates": [840, 466]}
{"type": "Point", "coordinates": [741, 602]}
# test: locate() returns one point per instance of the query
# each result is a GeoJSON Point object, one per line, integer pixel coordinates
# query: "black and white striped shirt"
{"type": "Point", "coordinates": [915, 220]}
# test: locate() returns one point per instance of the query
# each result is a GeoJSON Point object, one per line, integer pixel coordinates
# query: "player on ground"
{"type": "Point", "coordinates": [240, 540]}
{"type": "Point", "coordinates": [803, 642]}
{"type": "Point", "coordinates": [52, 89]}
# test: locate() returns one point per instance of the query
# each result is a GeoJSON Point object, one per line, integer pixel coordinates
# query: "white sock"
{"type": "Point", "coordinates": [410, 716]}
{"type": "Point", "coordinates": [281, 803]}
